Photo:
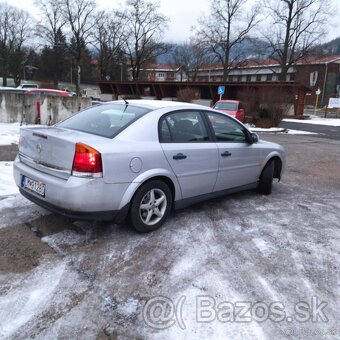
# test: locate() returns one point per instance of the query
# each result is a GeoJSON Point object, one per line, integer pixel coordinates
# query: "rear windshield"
{"type": "Point", "coordinates": [226, 106]}
{"type": "Point", "coordinates": [105, 120]}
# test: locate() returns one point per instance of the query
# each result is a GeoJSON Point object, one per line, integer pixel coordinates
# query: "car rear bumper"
{"type": "Point", "coordinates": [114, 215]}
{"type": "Point", "coordinates": [85, 198]}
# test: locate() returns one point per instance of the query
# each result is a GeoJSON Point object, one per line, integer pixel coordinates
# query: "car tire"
{"type": "Point", "coordinates": [266, 179]}
{"type": "Point", "coordinates": [150, 206]}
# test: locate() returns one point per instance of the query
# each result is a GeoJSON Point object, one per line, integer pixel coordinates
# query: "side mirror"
{"type": "Point", "coordinates": [254, 137]}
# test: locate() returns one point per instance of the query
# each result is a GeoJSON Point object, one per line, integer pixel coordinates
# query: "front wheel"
{"type": "Point", "coordinates": [266, 179]}
{"type": "Point", "coordinates": [150, 206]}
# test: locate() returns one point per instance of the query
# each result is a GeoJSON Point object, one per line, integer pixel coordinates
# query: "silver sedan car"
{"type": "Point", "coordinates": [141, 159]}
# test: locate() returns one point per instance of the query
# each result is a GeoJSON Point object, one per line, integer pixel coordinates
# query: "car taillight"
{"type": "Point", "coordinates": [87, 162]}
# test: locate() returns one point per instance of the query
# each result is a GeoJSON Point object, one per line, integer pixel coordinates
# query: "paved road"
{"type": "Point", "coordinates": [324, 131]}
{"type": "Point", "coordinates": [62, 278]}
{"type": "Point", "coordinates": [8, 152]}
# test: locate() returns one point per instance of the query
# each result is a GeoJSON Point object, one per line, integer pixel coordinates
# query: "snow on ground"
{"type": "Point", "coordinates": [7, 184]}
{"type": "Point", "coordinates": [280, 130]}
{"type": "Point", "coordinates": [10, 198]}
{"type": "Point", "coordinates": [9, 133]}
{"type": "Point", "coordinates": [299, 132]}
{"type": "Point", "coordinates": [22, 303]}
{"type": "Point", "coordinates": [316, 121]}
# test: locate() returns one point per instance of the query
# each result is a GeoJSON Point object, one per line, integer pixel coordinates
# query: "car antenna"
{"type": "Point", "coordinates": [126, 104]}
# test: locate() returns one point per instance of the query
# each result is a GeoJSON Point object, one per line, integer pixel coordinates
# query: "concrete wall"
{"type": "Point", "coordinates": [15, 107]}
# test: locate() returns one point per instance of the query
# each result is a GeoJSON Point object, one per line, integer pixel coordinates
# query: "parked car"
{"type": "Point", "coordinates": [94, 94]}
{"type": "Point", "coordinates": [28, 86]}
{"type": "Point", "coordinates": [70, 93]}
{"type": "Point", "coordinates": [47, 92]}
{"type": "Point", "coordinates": [233, 108]}
{"type": "Point", "coordinates": [5, 89]}
{"type": "Point", "coordinates": [141, 159]}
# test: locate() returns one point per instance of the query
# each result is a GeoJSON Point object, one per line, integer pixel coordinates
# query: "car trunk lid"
{"type": "Point", "coordinates": [51, 149]}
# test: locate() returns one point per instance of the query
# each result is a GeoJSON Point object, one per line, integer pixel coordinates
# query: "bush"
{"type": "Point", "coordinates": [269, 104]}
{"type": "Point", "coordinates": [186, 95]}
{"type": "Point", "coordinates": [263, 113]}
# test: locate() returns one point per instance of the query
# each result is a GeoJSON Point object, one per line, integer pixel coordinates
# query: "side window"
{"type": "Point", "coordinates": [225, 129]}
{"type": "Point", "coordinates": [165, 135]}
{"type": "Point", "coordinates": [182, 127]}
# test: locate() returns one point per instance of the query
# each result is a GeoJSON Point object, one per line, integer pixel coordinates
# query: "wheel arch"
{"type": "Point", "coordinates": [167, 178]}
{"type": "Point", "coordinates": [277, 165]}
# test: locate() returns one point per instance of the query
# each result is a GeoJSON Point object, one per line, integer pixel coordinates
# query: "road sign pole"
{"type": "Point", "coordinates": [318, 92]}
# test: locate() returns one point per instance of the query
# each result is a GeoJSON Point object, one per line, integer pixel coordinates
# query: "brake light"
{"type": "Point", "coordinates": [87, 162]}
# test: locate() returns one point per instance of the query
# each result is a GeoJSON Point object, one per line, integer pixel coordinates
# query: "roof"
{"type": "Point", "coordinates": [310, 60]}
{"type": "Point", "coordinates": [162, 68]}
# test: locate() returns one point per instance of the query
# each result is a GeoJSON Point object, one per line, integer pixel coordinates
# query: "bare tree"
{"type": "Point", "coordinates": [145, 26]}
{"type": "Point", "coordinates": [14, 30]}
{"type": "Point", "coordinates": [52, 21]}
{"type": "Point", "coordinates": [109, 36]}
{"type": "Point", "coordinates": [50, 30]}
{"type": "Point", "coordinates": [79, 16]}
{"type": "Point", "coordinates": [191, 56]}
{"type": "Point", "coordinates": [296, 25]}
{"type": "Point", "coordinates": [227, 26]}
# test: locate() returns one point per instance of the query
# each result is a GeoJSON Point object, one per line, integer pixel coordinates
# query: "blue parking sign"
{"type": "Point", "coordinates": [220, 90]}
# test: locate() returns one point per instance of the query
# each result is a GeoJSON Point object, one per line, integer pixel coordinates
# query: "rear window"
{"type": "Point", "coordinates": [104, 120]}
{"type": "Point", "coordinates": [226, 106]}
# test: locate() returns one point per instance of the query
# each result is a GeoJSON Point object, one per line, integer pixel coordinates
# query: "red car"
{"type": "Point", "coordinates": [47, 92]}
{"type": "Point", "coordinates": [233, 108]}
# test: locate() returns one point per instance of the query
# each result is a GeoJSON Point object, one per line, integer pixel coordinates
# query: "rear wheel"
{"type": "Point", "coordinates": [266, 179]}
{"type": "Point", "coordinates": [150, 206]}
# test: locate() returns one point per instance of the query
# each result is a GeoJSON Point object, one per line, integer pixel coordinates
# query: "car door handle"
{"type": "Point", "coordinates": [226, 154]}
{"type": "Point", "coordinates": [179, 156]}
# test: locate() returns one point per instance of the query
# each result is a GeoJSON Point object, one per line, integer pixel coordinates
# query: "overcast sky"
{"type": "Point", "coordinates": [182, 13]}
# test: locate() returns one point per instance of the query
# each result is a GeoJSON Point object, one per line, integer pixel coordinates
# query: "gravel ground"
{"type": "Point", "coordinates": [61, 278]}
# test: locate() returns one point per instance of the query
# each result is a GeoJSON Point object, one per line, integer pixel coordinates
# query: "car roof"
{"type": "Point", "coordinates": [227, 101]}
{"type": "Point", "coordinates": [158, 104]}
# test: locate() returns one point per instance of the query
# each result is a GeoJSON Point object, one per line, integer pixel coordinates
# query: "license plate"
{"type": "Point", "coordinates": [35, 186]}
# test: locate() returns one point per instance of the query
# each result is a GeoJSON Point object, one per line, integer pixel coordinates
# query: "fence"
{"type": "Point", "coordinates": [18, 107]}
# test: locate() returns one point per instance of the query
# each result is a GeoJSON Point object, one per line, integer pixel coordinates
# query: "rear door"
{"type": "Point", "coordinates": [191, 154]}
{"type": "Point", "coordinates": [239, 161]}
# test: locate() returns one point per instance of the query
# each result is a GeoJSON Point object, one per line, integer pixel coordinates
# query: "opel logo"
{"type": "Point", "coordinates": [39, 147]}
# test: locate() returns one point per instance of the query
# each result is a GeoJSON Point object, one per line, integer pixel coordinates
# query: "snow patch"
{"type": "Point", "coordinates": [7, 184]}
{"type": "Point", "coordinates": [29, 299]}
{"type": "Point", "coordinates": [299, 132]}
{"type": "Point", "coordinates": [128, 308]}
{"type": "Point", "coordinates": [10, 133]}
{"type": "Point", "coordinates": [316, 121]}
{"type": "Point", "coordinates": [281, 131]}
{"type": "Point", "coordinates": [263, 247]}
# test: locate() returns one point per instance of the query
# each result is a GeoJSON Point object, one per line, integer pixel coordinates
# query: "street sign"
{"type": "Point", "coordinates": [221, 90]}
{"type": "Point", "coordinates": [334, 103]}
{"type": "Point", "coordinates": [318, 92]}
{"type": "Point", "coordinates": [313, 78]}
